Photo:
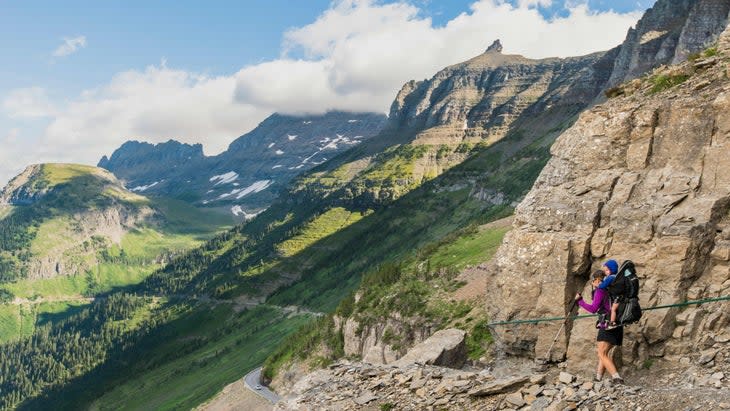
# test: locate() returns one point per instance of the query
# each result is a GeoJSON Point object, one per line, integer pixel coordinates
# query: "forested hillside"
{"type": "Point", "coordinates": [376, 243]}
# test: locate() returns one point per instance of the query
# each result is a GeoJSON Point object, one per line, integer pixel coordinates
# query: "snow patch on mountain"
{"type": "Point", "coordinates": [226, 178]}
{"type": "Point", "coordinates": [238, 211]}
{"type": "Point", "coordinates": [143, 188]}
{"type": "Point", "coordinates": [255, 188]}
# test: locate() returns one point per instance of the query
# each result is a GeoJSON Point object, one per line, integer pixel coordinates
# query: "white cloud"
{"type": "Point", "coordinates": [358, 53]}
{"type": "Point", "coordinates": [355, 56]}
{"type": "Point", "coordinates": [155, 105]}
{"type": "Point", "coordinates": [31, 102]}
{"type": "Point", "coordinates": [70, 46]}
{"type": "Point", "coordinates": [534, 3]}
{"type": "Point", "coordinates": [15, 155]}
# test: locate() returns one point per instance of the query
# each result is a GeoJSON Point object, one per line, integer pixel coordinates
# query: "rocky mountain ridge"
{"type": "Point", "coordinates": [642, 177]}
{"type": "Point", "coordinates": [134, 161]}
{"type": "Point", "coordinates": [247, 176]}
{"type": "Point", "coordinates": [668, 33]}
{"type": "Point", "coordinates": [525, 104]}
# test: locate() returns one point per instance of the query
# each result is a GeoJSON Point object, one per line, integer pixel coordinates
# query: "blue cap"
{"type": "Point", "coordinates": [612, 266]}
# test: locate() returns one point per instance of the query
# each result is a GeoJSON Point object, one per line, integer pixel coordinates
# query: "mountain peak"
{"type": "Point", "coordinates": [495, 47]}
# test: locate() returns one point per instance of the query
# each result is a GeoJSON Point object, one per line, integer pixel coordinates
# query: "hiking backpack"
{"type": "Point", "coordinates": [625, 291]}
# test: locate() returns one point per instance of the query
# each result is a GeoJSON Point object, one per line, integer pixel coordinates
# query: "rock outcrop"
{"type": "Point", "coordinates": [446, 348]}
{"type": "Point", "coordinates": [667, 34]}
{"type": "Point", "coordinates": [644, 177]}
{"type": "Point", "coordinates": [135, 161]}
{"type": "Point", "coordinates": [368, 342]}
{"type": "Point", "coordinates": [481, 98]}
{"type": "Point", "coordinates": [18, 191]}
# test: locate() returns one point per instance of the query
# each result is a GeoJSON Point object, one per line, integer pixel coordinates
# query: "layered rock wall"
{"type": "Point", "coordinates": [646, 178]}
{"type": "Point", "coordinates": [668, 33]}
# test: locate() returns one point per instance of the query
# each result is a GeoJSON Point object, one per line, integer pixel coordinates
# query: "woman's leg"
{"type": "Point", "coordinates": [600, 369]}
{"type": "Point", "coordinates": [605, 361]}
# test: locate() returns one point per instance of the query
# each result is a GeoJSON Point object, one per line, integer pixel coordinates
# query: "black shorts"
{"type": "Point", "coordinates": [614, 337]}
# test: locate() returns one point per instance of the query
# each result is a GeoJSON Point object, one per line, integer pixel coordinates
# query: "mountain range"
{"type": "Point", "coordinates": [248, 175]}
{"type": "Point", "coordinates": [368, 253]}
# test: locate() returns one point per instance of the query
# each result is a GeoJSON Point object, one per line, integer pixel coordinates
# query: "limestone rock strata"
{"type": "Point", "coordinates": [482, 97]}
{"type": "Point", "coordinates": [646, 178]}
{"type": "Point", "coordinates": [668, 33]}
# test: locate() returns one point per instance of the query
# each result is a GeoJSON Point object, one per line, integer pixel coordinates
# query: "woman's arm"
{"type": "Point", "coordinates": [596, 304]}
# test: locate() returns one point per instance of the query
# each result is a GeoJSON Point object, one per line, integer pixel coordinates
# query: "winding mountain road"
{"type": "Point", "coordinates": [253, 382]}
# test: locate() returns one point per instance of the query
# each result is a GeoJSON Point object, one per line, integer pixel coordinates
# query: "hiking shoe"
{"type": "Point", "coordinates": [611, 325]}
{"type": "Point", "coordinates": [617, 381]}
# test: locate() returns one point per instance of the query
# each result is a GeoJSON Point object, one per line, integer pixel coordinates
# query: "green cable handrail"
{"type": "Point", "coordinates": [658, 307]}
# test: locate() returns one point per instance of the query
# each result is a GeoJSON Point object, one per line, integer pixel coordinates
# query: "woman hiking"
{"type": "Point", "coordinates": [606, 339]}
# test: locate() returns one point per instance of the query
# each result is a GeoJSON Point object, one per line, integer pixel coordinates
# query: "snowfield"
{"type": "Point", "coordinates": [253, 188]}
{"type": "Point", "coordinates": [226, 178]}
{"type": "Point", "coordinates": [143, 188]}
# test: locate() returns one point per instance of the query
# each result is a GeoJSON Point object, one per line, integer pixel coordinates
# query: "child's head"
{"type": "Point", "coordinates": [610, 267]}
{"type": "Point", "coordinates": [597, 277]}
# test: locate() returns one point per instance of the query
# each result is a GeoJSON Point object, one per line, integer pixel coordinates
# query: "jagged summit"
{"type": "Point", "coordinates": [247, 174]}
{"type": "Point", "coordinates": [496, 47]}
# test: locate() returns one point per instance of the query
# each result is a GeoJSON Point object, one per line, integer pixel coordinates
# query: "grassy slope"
{"type": "Point", "coordinates": [194, 352]}
{"type": "Point", "coordinates": [184, 227]}
{"type": "Point", "coordinates": [191, 379]}
{"type": "Point", "coordinates": [416, 287]}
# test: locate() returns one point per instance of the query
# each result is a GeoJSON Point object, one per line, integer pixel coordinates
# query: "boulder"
{"type": "Point", "coordinates": [499, 386]}
{"type": "Point", "coordinates": [446, 348]}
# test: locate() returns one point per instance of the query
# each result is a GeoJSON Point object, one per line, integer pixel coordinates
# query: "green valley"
{"type": "Point", "coordinates": [55, 228]}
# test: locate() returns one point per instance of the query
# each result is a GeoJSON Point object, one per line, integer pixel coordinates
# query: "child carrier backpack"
{"type": "Point", "coordinates": [625, 291]}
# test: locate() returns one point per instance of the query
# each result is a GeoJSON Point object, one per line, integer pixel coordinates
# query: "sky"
{"type": "Point", "coordinates": [78, 78]}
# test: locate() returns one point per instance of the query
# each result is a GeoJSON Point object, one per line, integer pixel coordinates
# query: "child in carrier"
{"type": "Point", "coordinates": [610, 267]}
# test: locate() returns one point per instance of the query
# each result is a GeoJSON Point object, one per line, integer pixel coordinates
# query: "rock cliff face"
{"type": "Point", "coordinates": [370, 344]}
{"type": "Point", "coordinates": [19, 192]}
{"type": "Point", "coordinates": [135, 161]}
{"type": "Point", "coordinates": [246, 177]}
{"type": "Point", "coordinates": [481, 98]}
{"type": "Point", "coordinates": [643, 177]}
{"type": "Point", "coordinates": [668, 33]}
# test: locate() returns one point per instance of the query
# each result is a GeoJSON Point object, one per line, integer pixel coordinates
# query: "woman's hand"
{"type": "Point", "coordinates": [578, 297]}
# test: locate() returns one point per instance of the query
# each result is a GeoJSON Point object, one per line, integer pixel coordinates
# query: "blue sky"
{"type": "Point", "coordinates": [210, 37]}
{"type": "Point", "coordinates": [211, 71]}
